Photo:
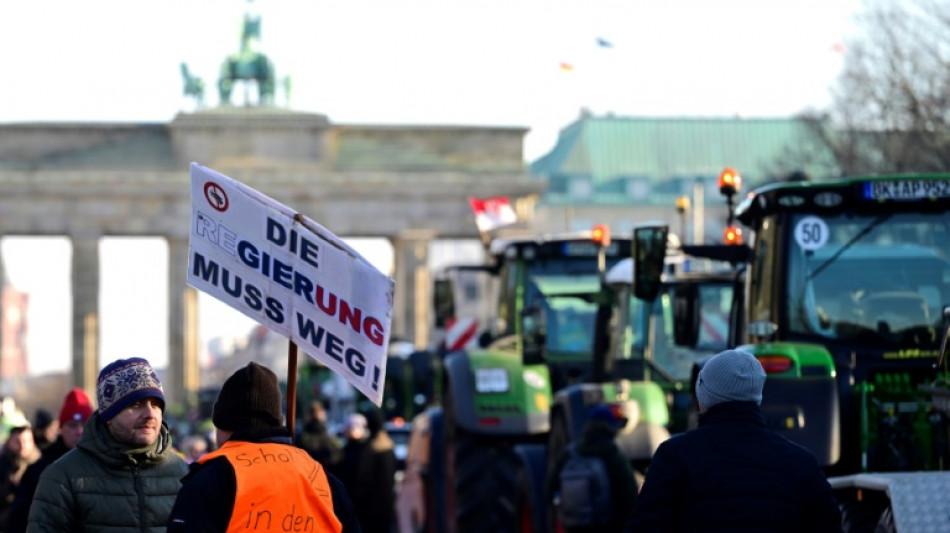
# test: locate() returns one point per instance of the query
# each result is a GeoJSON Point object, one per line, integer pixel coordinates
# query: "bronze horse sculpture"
{"type": "Point", "coordinates": [193, 86]}
{"type": "Point", "coordinates": [248, 65]}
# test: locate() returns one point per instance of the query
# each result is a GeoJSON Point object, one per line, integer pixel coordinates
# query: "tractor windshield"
{"type": "Point", "coordinates": [655, 338]}
{"type": "Point", "coordinates": [878, 280]}
{"type": "Point", "coordinates": [569, 304]}
{"type": "Point", "coordinates": [715, 300]}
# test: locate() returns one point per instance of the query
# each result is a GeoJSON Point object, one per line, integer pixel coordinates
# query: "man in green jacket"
{"type": "Point", "coordinates": [123, 476]}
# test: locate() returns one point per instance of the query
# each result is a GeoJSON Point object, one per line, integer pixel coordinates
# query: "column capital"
{"type": "Point", "coordinates": [416, 234]}
{"type": "Point", "coordinates": [84, 234]}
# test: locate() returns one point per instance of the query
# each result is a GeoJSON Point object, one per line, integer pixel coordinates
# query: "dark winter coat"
{"type": "Point", "coordinates": [317, 441]}
{"type": "Point", "coordinates": [733, 474]}
{"type": "Point", "coordinates": [208, 491]}
{"type": "Point", "coordinates": [12, 469]}
{"type": "Point", "coordinates": [373, 487]}
{"type": "Point", "coordinates": [345, 469]}
{"type": "Point", "coordinates": [20, 510]}
{"type": "Point", "coordinates": [598, 439]}
{"type": "Point", "coordinates": [102, 486]}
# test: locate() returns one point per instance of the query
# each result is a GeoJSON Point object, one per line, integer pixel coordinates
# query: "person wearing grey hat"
{"type": "Point", "coordinates": [731, 376]}
{"type": "Point", "coordinates": [732, 473]}
{"type": "Point", "coordinates": [124, 474]}
{"type": "Point", "coordinates": [257, 479]}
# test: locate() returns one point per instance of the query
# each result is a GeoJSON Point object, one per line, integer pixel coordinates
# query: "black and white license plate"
{"type": "Point", "coordinates": [906, 189]}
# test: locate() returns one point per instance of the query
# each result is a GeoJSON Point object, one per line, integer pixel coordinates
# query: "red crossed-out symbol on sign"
{"type": "Point", "coordinates": [216, 196]}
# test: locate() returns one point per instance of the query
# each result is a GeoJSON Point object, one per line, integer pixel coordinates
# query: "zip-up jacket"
{"type": "Point", "coordinates": [102, 486]}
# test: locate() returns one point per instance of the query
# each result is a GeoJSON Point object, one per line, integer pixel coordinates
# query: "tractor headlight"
{"type": "Point", "coordinates": [491, 380]}
{"type": "Point", "coordinates": [534, 379]}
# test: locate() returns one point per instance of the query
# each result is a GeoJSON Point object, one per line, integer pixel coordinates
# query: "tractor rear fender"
{"type": "Point", "coordinates": [647, 404]}
{"type": "Point", "coordinates": [461, 385]}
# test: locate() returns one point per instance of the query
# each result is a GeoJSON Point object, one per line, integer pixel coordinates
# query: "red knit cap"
{"type": "Point", "coordinates": [76, 406]}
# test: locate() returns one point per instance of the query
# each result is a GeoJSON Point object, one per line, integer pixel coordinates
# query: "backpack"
{"type": "Point", "coordinates": [585, 491]}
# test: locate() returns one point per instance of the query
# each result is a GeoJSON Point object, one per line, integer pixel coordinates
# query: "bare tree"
{"type": "Point", "coordinates": [891, 105]}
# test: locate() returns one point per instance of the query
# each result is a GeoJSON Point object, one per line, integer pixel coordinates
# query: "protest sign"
{"type": "Point", "coordinates": [291, 275]}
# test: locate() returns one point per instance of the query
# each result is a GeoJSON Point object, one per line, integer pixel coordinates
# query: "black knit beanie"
{"type": "Point", "coordinates": [250, 398]}
{"type": "Point", "coordinates": [375, 420]}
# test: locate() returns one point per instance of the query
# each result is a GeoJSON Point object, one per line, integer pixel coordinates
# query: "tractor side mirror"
{"type": "Point", "coordinates": [686, 317]}
{"type": "Point", "coordinates": [443, 301]}
{"type": "Point", "coordinates": [533, 334]}
{"type": "Point", "coordinates": [649, 257]}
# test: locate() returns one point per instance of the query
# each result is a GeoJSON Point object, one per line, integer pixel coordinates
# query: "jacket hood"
{"type": "Point", "coordinates": [733, 412]}
{"type": "Point", "coordinates": [97, 439]}
{"type": "Point", "coordinates": [596, 438]}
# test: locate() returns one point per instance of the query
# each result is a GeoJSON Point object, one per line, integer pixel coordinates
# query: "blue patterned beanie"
{"type": "Point", "coordinates": [124, 382]}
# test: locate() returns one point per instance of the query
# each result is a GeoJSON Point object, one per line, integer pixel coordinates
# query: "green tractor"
{"type": "Point", "coordinates": [640, 361]}
{"type": "Point", "coordinates": [543, 296]}
{"type": "Point", "coordinates": [649, 342]}
{"type": "Point", "coordinates": [845, 291]}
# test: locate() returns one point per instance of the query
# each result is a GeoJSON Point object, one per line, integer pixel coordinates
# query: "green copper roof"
{"type": "Point", "coordinates": [607, 148]}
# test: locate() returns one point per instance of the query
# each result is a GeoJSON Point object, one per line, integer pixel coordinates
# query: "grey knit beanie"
{"type": "Point", "coordinates": [730, 376]}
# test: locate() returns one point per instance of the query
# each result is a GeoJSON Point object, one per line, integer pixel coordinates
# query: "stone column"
{"type": "Point", "coordinates": [6, 387]}
{"type": "Point", "coordinates": [411, 301]}
{"type": "Point", "coordinates": [180, 376]}
{"type": "Point", "coordinates": [85, 289]}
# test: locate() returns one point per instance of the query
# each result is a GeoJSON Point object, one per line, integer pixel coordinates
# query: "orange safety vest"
{"type": "Point", "coordinates": [279, 488]}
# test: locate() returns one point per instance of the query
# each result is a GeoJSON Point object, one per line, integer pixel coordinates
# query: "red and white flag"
{"type": "Point", "coordinates": [491, 213]}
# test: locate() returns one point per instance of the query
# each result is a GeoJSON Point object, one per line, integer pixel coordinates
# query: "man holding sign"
{"type": "Point", "coordinates": [291, 275]}
{"type": "Point", "coordinates": [258, 480]}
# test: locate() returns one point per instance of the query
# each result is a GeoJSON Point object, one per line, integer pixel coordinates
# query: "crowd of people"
{"type": "Point", "coordinates": [113, 465]}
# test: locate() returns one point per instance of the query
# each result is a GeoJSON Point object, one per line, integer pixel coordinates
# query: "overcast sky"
{"type": "Point", "coordinates": [494, 62]}
{"type": "Point", "coordinates": [485, 62]}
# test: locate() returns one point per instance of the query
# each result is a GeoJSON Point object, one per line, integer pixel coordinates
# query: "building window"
{"type": "Point", "coordinates": [470, 291]}
{"type": "Point", "coordinates": [581, 188]}
{"type": "Point", "coordinates": [557, 185]}
{"type": "Point", "coordinates": [638, 188]}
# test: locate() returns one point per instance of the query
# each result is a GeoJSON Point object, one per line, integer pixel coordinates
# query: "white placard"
{"type": "Point", "coordinates": [291, 275]}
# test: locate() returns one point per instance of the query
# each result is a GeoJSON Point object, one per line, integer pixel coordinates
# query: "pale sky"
{"type": "Point", "coordinates": [490, 62]}
{"type": "Point", "coordinates": [485, 62]}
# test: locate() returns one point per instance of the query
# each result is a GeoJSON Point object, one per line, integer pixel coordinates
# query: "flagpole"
{"type": "Point", "coordinates": [292, 366]}
{"type": "Point", "coordinates": [291, 387]}
{"type": "Point", "coordinates": [486, 240]}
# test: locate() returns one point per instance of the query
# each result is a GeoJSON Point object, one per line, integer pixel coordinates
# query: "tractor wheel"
{"type": "Point", "coordinates": [482, 472]}
{"type": "Point", "coordinates": [858, 517]}
{"type": "Point", "coordinates": [435, 477]}
{"type": "Point", "coordinates": [558, 441]}
{"type": "Point", "coordinates": [886, 523]}
{"type": "Point", "coordinates": [525, 514]}
{"type": "Point", "coordinates": [485, 486]}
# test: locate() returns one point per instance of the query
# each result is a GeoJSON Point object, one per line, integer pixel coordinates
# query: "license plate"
{"type": "Point", "coordinates": [907, 189]}
{"type": "Point", "coordinates": [588, 249]}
